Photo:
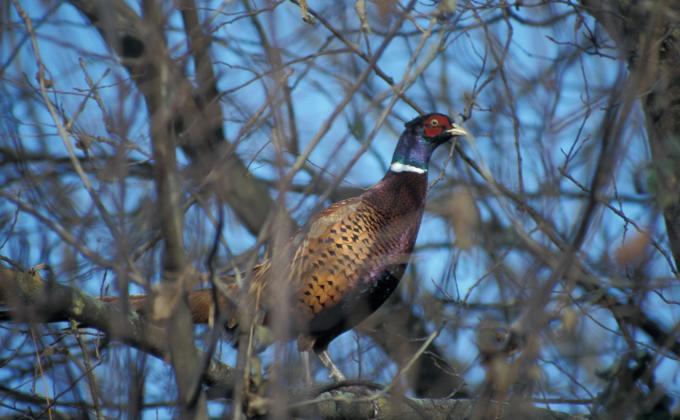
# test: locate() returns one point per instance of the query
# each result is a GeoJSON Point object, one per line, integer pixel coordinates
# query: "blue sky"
{"type": "Point", "coordinates": [551, 113]}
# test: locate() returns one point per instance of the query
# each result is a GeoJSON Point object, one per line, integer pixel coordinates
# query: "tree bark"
{"type": "Point", "coordinates": [647, 35]}
{"type": "Point", "coordinates": [31, 299]}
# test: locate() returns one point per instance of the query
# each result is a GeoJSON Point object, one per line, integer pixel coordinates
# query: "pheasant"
{"type": "Point", "coordinates": [349, 259]}
{"type": "Point", "coordinates": [353, 254]}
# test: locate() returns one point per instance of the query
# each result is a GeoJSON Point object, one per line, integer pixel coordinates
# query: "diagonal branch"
{"type": "Point", "coordinates": [648, 37]}
{"type": "Point", "coordinates": [31, 299]}
{"type": "Point", "coordinates": [198, 117]}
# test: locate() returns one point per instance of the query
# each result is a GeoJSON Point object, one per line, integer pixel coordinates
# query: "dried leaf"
{"type": "Point", "coordinates": [165, 300]}
{"type": "Point", "coordinates": [502, 374]}
{"type": "Point", "coordinates": [449, 5]}
{"type": "Point", "coordinates": [464, 217]}
{"type": "Point", "coordinates": [634, 250]}
{"type": "Point", "coordinates": [385, 7]}
{"type": "Point", "coordinates": [360, 7]}
{"type": "Point", "coordinates": [491, 337]}
{"type": "Point", "coordinates": [304, 11]}
{"type": "Point", "coordinates": [48, 82]}
{"type": "Point", "coordinates": [569, 320]}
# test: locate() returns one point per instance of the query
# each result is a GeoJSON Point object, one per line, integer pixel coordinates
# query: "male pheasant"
{"type": "Point", "coordinates": [353, 254]}
{"type": "Point", "coordinates": [350, 258]}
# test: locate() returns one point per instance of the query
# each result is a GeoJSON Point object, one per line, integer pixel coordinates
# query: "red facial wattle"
{"type": "Point", "coordinates": [436, 126]}
{"type": "Point", "coordinates": [432, 131]}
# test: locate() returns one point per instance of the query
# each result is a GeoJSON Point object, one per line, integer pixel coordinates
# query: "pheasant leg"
{"type": "Point", "coordinates": [307, 371]}
{"type": "Point", "coordinates": [325, 358]}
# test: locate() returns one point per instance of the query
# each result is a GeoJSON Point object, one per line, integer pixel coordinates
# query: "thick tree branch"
{"type": "Point", "coordinates": [648, 37]}
{"type": "Point", "coordinates": [31, 299]}
{"type": "Point", "coordinates": [346, 405]}
{"type": "Point", "coordinates": [197, 119]}
{"type": "Point", "coordinates": [161, 101]}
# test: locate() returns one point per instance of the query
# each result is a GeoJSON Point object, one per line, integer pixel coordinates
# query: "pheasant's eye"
{"type": "Point", "coordinates": [434, 123]}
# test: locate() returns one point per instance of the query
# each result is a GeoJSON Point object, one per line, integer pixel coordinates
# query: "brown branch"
{"type": "Point", "coordinates": [197, 117]}
{"type": "Point", "coordinates": [648, 37]}
{"type": "Point", "coordinates": [347, 405]}
{"type": "Point", "coordinates": [432, 376]}
{"type": "Point", "coordinates": [624, 313]}
{"type": "Point", "coordinates": [171, 304]}
{"type": "Point", "coordinates": [31, 299]}
{"type": "Point", "coordinates": [367, 59]}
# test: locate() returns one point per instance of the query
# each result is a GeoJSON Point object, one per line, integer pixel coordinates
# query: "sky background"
{"type": "Point", "coordinates": [551, 112]}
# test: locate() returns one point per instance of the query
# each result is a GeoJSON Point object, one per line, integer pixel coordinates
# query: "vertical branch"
{"type": "Point", "coordinates": [281, 227]}
{"type": "Point", "coordinates": [162, 103]}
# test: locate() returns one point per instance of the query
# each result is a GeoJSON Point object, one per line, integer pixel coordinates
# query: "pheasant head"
{"type": "Point", "coordinates": [420, 138]}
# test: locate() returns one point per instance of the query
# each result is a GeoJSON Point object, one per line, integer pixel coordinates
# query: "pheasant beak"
{"type": "Point", "coordinates": [457, 130]}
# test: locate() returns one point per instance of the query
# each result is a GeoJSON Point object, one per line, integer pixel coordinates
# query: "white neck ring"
{"type": "Point", "coordinates": [402, 167]}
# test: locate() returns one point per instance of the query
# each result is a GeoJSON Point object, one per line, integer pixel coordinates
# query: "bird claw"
{"type": "Point", "coordinates": [335, 373]}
